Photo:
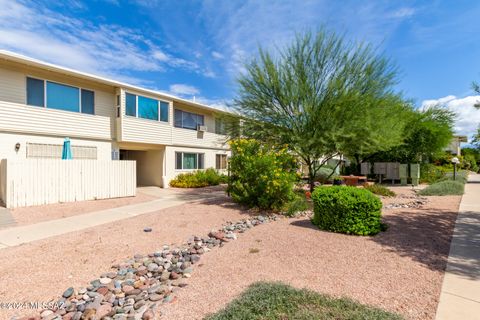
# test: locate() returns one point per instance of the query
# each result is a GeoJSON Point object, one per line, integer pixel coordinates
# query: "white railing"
{"type": "Point", "coordinates": [32, 182]}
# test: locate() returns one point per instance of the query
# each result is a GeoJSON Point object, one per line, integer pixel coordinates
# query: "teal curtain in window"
{"type": "Point", "coordinates": [163, 111]}
{"type": "Point", "coordinates": [88, 102]}
{"type": "Point", "coordinates": [35, 92]}
{"type": "Point", "coordinates": [189, 161]}
{"type": "Point", "coordinates": [62, 97]}
{"type": "Point", "coordinates": [131, 105]}
{"type": "Point", "coordinates": [147, 108]}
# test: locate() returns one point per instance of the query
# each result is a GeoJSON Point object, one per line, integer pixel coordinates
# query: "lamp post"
{"type": "Point", "coordinates": [455, 161]}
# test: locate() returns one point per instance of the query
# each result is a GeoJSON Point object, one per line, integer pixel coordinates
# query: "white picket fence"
{"type": "Point", "coordinates": [32, 182]}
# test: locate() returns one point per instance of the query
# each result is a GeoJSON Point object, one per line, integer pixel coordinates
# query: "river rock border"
{"type": "Point", "coordinates": [134, 289]}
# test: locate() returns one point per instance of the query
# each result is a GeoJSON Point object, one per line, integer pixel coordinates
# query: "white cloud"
{"type": "Point", "coordinates": [239, 28]}
{"type": "Point", "coordinates": [468, 117]}
{"type": "Point", "coordinates": [106, 49]}
{"type": "Point", "coordinates": [217, 55]}
{"type": "Point", "coordinates": [403, 13]}
{"type": "Point", "coordinates": [183, 90]}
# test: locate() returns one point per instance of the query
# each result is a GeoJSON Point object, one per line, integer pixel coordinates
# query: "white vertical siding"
{"type": "Point", "coordinates": [33, 182]}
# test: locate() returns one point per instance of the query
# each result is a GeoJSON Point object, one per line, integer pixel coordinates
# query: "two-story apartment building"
{"type": "Point", "coordinates": [41, 104]}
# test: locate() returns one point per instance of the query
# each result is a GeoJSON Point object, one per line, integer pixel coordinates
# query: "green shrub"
{"type": "Point", "coordinates": [461, 176]}
{"type": "Point", "coordinates": [430, 173]}
{"type": "Point", "coordinates": [298, 204]}
{"type": "Point", "coordinates": [444, 188]}
{"type": "Point", "coordinates": [261, 176]}
{"type": "Point", "coordinates": [380, 190]}
{"type": "Point", "coordinates": [347, 210]}
{"type": "Point", "coordinates": [198, 179]}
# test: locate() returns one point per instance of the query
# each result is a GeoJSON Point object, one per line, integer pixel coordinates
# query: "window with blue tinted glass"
{"type": "Point", "coordinates": [147, 108]}
{"type": "Point", "coordinates": [188, 120]}
{"type": "Point", "coordinates": [35, 92]}
{"type": "Point", "coordinates": [62, 97]}
{"type": "Point", "coordinates": [163, 111]}
{"type": "Point", "coordinates": [88, 102]}
{"type": "Point", "coordinates": [131, 104]}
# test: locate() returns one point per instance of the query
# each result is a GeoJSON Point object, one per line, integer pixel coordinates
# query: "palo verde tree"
{"type": "Point", "coordinates": [426, 134]}
{"type": "Point", "coordinates": [319, 96]}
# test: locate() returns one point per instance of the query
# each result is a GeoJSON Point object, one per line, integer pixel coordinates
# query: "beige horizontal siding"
{"type": "Point", "coordinates": [193, 138]}
{"type": "Point", "coordinates": [16, 117]}
{"type": "Point", "coordinates": [146, 131]}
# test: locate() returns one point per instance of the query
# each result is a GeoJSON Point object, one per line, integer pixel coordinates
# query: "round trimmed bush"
{"type": "Point", "coordinates": [347, 210]}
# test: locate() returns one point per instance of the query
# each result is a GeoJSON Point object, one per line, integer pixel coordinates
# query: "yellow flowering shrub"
{"type": "Point", "coordinates": [261, 176]}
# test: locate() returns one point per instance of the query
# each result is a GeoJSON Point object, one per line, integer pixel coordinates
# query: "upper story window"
{"type": "Point", "coordinates": [220, 126]}
{"type": "Point", "coordinates": [146, 108]}
{"type": "Point", "coordinates": [59, 96]}
{"type": "Point", "coordinates": [188, 120]}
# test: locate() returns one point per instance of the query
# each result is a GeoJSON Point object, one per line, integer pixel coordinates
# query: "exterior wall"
{"type": "Point", "coordinates": [8, 141]}
{"type": "Point", "coordinates": [169, 163]}
{"type": "Point", "coordinates": [16, 116]}
{"type": "Point", "coordinates": [149, 166]}
{"type": "Point", "coordinates": [31, 182]}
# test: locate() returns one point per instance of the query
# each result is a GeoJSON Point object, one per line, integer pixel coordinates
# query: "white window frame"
{"type": "Point", "coordinates": [149, 97]}
{"type": "Point", "coordinates": [45, 80]}
{"type": "Point", "coordinates": [226, 161]}
{"type": "Point", "coordinates": [198, 160]}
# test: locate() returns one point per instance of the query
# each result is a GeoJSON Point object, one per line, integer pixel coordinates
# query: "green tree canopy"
{"type": "Point", "coordinates": [426, 134]}
{"type": "Point", "coordinates": [321, 96]}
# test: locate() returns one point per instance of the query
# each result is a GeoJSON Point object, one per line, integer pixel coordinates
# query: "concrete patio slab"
{"type": "Point", "coordinates": [460, 295]}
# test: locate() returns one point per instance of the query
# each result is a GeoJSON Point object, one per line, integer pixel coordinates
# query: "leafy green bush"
{"type": "Point", "coordinates": [261, 176]}
{"type": "Point", "coordinates": [298, 204]}
{"type": "Point", "coordinates": [444, 188]}
{"type": "Point", "coordinates": [461, 176]}
{"type": "Point", "coordinates": [380, 190]}
{"type": "Point", "coordinates": [348, 210]}
{"type": "Point", "coordinates": [198, 179]}
{"type": "Point", "coordinates": [430, 173]}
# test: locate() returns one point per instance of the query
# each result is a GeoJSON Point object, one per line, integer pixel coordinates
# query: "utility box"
{"type": "Point", "coordinates": [415, 173]}
{"type": "Point", "coordinates": [393, 171]}
{"type": "Point", "coordinates": [403, 172]}
{"type": "Point", "coordinates": [380, 169]}
{"type": "Point", "coordinates": [365, 168]}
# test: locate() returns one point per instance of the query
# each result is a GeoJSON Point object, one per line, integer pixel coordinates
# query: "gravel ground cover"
{"type": "Point", "coordinates": [399, 270]}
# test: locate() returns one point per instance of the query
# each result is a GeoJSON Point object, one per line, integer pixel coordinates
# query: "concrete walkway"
{"type": "Point", "coordinates": [460, 296]}
{"type": "Point", "coordinates": [17, 235]}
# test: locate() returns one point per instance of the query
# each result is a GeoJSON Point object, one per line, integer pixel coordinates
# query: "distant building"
{"type": "Point", "coordinates": [455, 145]}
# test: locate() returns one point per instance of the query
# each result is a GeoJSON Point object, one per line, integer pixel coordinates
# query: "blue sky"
{"type": "Point", "coordinates": [197, 48]}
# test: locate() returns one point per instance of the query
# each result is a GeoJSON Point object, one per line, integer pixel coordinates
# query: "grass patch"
{"type": "Point", "coordinates": [444, 188]}
{"type": "Point", "coordinates": [271, 301]}
{"type": "Point", "coordinates": [380, 190]}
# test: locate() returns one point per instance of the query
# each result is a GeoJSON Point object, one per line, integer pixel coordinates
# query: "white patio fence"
{"type": "Point", "coordinates": [34, 182]}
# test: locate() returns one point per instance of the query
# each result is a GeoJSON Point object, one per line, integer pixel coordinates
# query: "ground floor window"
{"type": "Point", "coordinates": [221, 161]}
{"type": "Point", "coordinates": [189, 161]}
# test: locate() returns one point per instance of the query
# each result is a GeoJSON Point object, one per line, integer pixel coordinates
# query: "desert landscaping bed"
{"type": "Point", "coordinates": [399, 270]}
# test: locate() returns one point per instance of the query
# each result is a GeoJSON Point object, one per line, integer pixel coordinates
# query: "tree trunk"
{"type": "Point", "coordinates": [358, 166]}
{"type": "Point", "coordinates": [311, 177]}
